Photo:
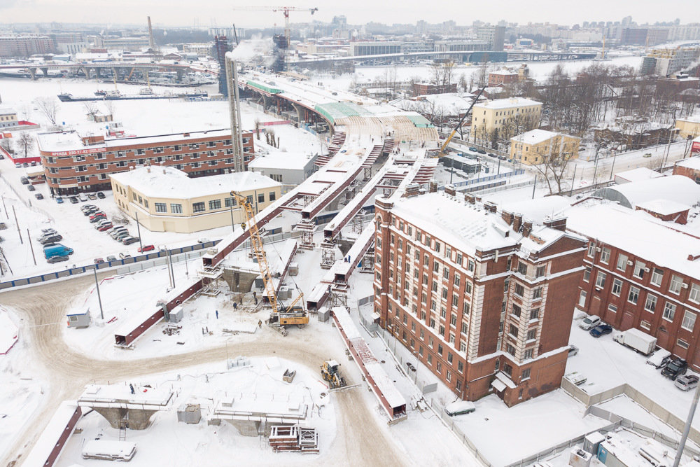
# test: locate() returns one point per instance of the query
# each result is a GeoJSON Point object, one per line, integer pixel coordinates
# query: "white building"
{"type": "Point", "coordinates": [284, 167]}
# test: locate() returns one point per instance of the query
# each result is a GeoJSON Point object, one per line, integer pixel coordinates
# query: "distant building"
{"type": "Point", "coordinates": [424, 89]}
{"type": "Point", "coordinates": [503, 77]}
{"type": "Point", "coordinates": [8, 117]}
{"type": "Point", "coordinates": [122, 43]}
{"type": "Point", "coordinates": [484, 300]}
{"type": "Point", "coordinates": [537, 146]}
{"type": "Point", "coordinates": [666, 62]}
{"type": "Point", "coordinates": [74, 163]}
{"type": "Point", "coordinates": [493, 35]}
{"type": "Point", "coordinates": [688, 168]}
{"type": "Point", "coordinates": [25, 45]}
{"type": "Point", "coordinates": [504, 118]}
{"type": "Point", "coordinates": [636, 175]}
{"type": "Point", "coordinates": [167, 200]}
{"type": "Point", "coordinates": [375, 48]}
{"type": "Point", "coordinates": [689, 126]}
{"type": "Point", "coordinates": [635, 134]}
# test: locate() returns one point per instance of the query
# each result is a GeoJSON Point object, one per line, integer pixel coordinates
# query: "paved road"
{"type": "Point", "coordinates": [67, 372]}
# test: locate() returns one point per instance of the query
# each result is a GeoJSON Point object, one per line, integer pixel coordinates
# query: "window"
{"type": "Point", "coordinates": [528, 355]}
{"type": "Point", "coordinates": [517, 310]}
{"type": "Point", "coordinates": [694, 295]}
{"type": "Point", "coordinates": [582, 299]}
{"type": "Point", "coordinates": [446, 273]}
{"type": "Point", "coordinates": [587, 275]}
{"type": "Point", "coordinates": [198, 207]}
{"type": "Point", "coordinates": [645, 325]}
{"type": "Point", "coordinates": [526, 372]}
{"type": "Point", "coordinates": [633, 296]}
{"type": "Point", "coordinates": [510, 349]}
{"type": "Point", "coordinates": [537, 293]}
{"type": "Point", "coordinates": [688, 320]}
{"type": "Point", "coordinates": [541, 271]}
{"type": "Point", "coordinates": [683, 344]}
{"type": "Point", "coordinates": [441, 331]}
{"type": "Point", "coordinates": [465, 308]}
{"type": "Point", "coordinates": [676, 283]}
{"type": "Point", "coordinates": [612, 308]}
{"type": "Point", "coordinates": [650, 304]}
{"type": "Point", "coordinates": [591, 250]}
{"type": "Point", "coordinates": [657, 276]}
{"type": "Point", "coordinates": [460, 366]}
{"type": "Point", "coordinates": [439, 349]}
{"type": "Point", "coordinates": [449, 357]}
{"type": "Point", "coordinates": [600, 280]}
{"type": "Point", "coordinates": [617, 287]}
{"type": "Point", "coordinates": [522, 268]}
{"type": "Point", "coordinates": [161, 207]}
{"type": "Point", "coordinates": [430, 359]}
{"type": "Point", "coordinates": [261, 198]}
{"type": "Point", "coordinates": [621, 262]}
{"type": "Point", "coordinates": [229, 202]}
{"type": "Point", "coordinates": [669, 311]}
{"type": "Point", "coordinates": [176, 208]}
{"type": "Point", "coordinates": [464, 328]}
{"type": "Point", "coordinates": [438, 367]}
{"type": "Point", "coordinates": [605, 256]}
{"type": "Point", "coordinates": [453, 320]}
{"type": "Point", "coordinates": [532, 334]}
{"type": "Point", "coordinates": [639, 269]}
{"type": "Point", "coordinates": [468, 288]}
{"type": "Point", "coordinates": [513, 330]}
{"type": "Point", "coordinates": [519, 290]}
{"type": "Point", "coordinates": [214, 204]}
{"type": "Point", "coordinates": [535, 313]}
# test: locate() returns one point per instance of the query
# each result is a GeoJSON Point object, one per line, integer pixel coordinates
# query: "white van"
{"type": "Point", "coordinates": [459, 408]}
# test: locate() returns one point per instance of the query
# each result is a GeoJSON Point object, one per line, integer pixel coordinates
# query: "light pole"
{"type": "Point", "coordinates": [138, 229]}
{"type": "Point", "coordinates": [99, 297]}
{"type": "Point", "coordinates": [686, 430]}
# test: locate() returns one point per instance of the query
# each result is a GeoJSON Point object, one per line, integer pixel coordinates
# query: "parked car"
{"type": "Point", "coordinates": [31, 188]}
{"type": "Point", "coordinates": [116, 233]}
{"type": "Point", "coordinates": [105, 227]}
{"type": "Point", "coordinates": [589, 323]}
{"type": "Point", "coordinates": [491, 154]}
{"type": "Point", "coordinates": [675, 368]}
{"type": "Point", "coordinates": [101, 223]}
{"type": "Point", "coordinates": [124, 255]}
{"type": "Point", "coordinates": [111, 258]}
{"type": "Point", "coordinates": [91, 211]}
{"type": "Point", "coordinates": [85, 207]}
{"type": "Point", "coordinates": [25, 164]}
{"type": "Point", "coordinates": [481, 151]}
{"type": "Point", "coordinates": [50, 239]}
{"type": "Point", "coordinates": [92, 196]}
{"type": "Point", "coordinates": [24, 180]}
{"type": "Point", "coordinates": [473, 149]}
{"type": "Point", "coordinates": [601, 330]}
{"type": "Point", "coordinates": [57, 250]}
{"type": "Point", "coordinates": [129, 240]}
{"type": "Point", "coordinates": [99, 261]}
{"type": "Point", "coordinates": [573, 350]}
{"type": "Point", "coordinates": [687, 382]}
{"type": "Point", "coordinates": [659, 359]}
{"type": "Point", "coordinates": [33, 164]}
{"type": "Point", "coordinates": [203, 240]}
{"type": "Point", "coordinates": [18, 165]}
{"type": "Point", "coordinates": [82, 198]}
{"type": "Point", "coordinates": [73, 200]}
{"type": "Point", "coordinates": [146, 248]}
{"type": "Point", "coordinates": [2, 157]}
{"type": "Point", "coordinates": [95, 216]}
{"type": "Point", "coordinates": [459, 408]}
{"type": "Point", "coordinates": [101, 195]}
{"type": "Point", "coordinates": [39, 196]}
{"type": "Point", "coordinates": [59, 200]}
{"type": "Point", "coordinates": [57, 259]}
{"type": "Point", "coordinates": [48, 232]}
{"type": "Point", "coordinates": [121, 235]}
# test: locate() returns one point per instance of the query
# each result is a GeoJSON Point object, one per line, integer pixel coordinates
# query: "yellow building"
{"type": "Point", "coordinates": [688, 127]}
{"type": "Point", "coordinates": [504, 118]}
{"type": "Point", "coordinates": [536, 146]}
{"type": "Point", "coordinates": [8, 118]}
{"type": "Point", "coordinates": [167, 200]}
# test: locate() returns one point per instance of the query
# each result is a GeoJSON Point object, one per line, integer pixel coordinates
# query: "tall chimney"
{"type": "Point", "coordinates": [527, 228]}
{"type": "Point", "coordinates": [507, 217]}
{"type": "Point", "coordinates": [517, 221]}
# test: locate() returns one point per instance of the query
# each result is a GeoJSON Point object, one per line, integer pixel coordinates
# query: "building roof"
{"type": "Point", "coordinates": [7, 111]}
{"type": "Point", "coordinates": [638, 174]}
{"type": "Point", "coordinates": [507, 103]}
{"type": "Point", "coordinates": [637, 233]}
{"type": "Point", "coordinates": [672, 188]}
{"type": "Point", "coordinates": [663, 207]}
{"type": "Point", "coordinates": [537, 136]}
{"type": "Point", "coordinates": [537, 210]}
{"type": "Point", "coordinates": [281, 160]}
{"type": "Point", "coordinates": [167, 182]}
{"type": "Point", "coordinates": [690, 163]}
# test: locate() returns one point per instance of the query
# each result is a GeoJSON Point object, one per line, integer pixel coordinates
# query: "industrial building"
{"type": "Point", "coordinates": [484, 300]}
{"type": "Point", "coordinates": [167, 200]}
{"type": "Point", "coordinates": [74, 163]}
{"type": "Point", "coordinates": [537, 146]}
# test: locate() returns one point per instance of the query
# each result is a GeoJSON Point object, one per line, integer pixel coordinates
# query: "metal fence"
{"type": "Point", "coordinates": [489, 178]}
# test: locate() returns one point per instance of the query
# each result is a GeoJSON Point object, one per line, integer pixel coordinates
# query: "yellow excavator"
{"type": "Point", "coordinates": [281, 315]}
{"type": "Point", "coordinates": [330, 370]}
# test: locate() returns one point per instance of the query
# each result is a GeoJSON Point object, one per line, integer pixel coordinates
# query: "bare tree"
{"type": "Point", "coordinates": [554, 164]}
{"type": "Point", "coordinates": [109, 105]}
{"type": "Point", "coordinates": [91, 110]}
{"type": "Point", "coordinates": [25, 142]}
{"type": "Point", "coordinates": [6, 145]}
{"type": "Point", "coordinates": [257, 128]}
{"type": "Point", "coordinates": [48, 107]}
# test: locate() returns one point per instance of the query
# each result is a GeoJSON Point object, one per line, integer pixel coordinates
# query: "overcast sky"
{"type": "Point", "coordinates": [221, 12]}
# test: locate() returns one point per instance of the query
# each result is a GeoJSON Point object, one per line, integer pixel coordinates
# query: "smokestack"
{"type": "Point", "coordinates": [517, 221]}
{"type": "Point", "coordinates": [527, 228]}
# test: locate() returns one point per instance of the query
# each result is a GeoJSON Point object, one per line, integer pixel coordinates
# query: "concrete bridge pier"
{"type": "Point", "coordinates": [135, 419]}
{"type": "Point", "coordinates": [32, 73]}
{"type": "Point", "coordinates": [45, 71]}
{"type": "Point", "coordinates": [300, 112]}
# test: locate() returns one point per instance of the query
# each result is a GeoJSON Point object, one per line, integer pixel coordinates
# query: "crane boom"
{"type": "Point", "coordinates": [459, 125]}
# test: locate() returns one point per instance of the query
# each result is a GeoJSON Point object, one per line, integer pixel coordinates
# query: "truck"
{"type": "Point", "coordinates": [637, 340]}
{"type": "Point", "coordinates": [57, 250]}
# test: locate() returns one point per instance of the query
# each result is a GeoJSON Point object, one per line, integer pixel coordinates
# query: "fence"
{"type": "Point", "coordinates": [33, 280]}
{"type": "Point", "coordinates": [487, 179]}
{"type": "Point", "coordinates": [499, 187]}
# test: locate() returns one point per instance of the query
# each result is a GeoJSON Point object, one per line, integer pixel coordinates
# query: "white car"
{"type": "Point", "coordinates": [589, 323]}
{"type": "Point", "coordinates": [82, 198]}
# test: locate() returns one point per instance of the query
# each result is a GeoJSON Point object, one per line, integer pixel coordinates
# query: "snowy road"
{"type": "Point", "coordinates": [42, 308]}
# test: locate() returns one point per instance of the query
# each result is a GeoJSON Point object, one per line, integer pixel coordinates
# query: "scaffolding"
{"type": "Point", "coordinates": [306, 228]}
{"type": "Point", "coordinates": [327, 255]}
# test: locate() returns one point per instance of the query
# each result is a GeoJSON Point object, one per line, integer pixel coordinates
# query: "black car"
{"type": "Point", "coordinates": [90, 211]}
{"type": "Point", "coordinates": [39, 196]}
{"type": "Point", "coordinates": [600, 330]}
{"type": "Point", "coordinates": [481, 151]}
{"type": "Point", "coordinates": [73, 200]}
{"type": "Point", "coordinates": [24, 180]}
{"type": "Point", "coordinates": [101, 195]}
{"type": "Point", "coordinates": [130, 240]}
{"type": "Point", "coordinates": [50, 239]}
{"type": "Point", "coordinates": [31, 188]}
{"type": "Point", "coordinates": [675, 368]}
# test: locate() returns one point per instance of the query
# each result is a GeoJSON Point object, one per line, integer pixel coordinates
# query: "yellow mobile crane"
{"type": "Point", "coordinates": [280, 316]}
{"type": "Point", "coordinates": [459, 125]}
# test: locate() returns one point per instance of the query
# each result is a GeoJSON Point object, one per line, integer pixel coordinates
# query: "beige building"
{"type": "Point", "coordinates": [688, 127]}
{"type": "Point", "coordinates": [8, 118]}
{"type": "Point", "coordinates": [502, 119]}
{"type": "Point", "coordinates": [167, 200]}
{"type": "Point", "coordinates": [536, 146]}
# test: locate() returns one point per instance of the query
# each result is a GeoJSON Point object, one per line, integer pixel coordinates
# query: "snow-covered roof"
{"type": "Point", "coordinates": [168, 182]}
{"type": "Point", "coordinates": [638, 174]}
{"type": "Point", "coordinates": [673, 188]}
{"type": "Point", "coordinates": [636, 233]}
{"type": "Point", "coordinates": [281, 160]}
{"type": "Point", "coordinates": [7, 111]}
{"type": "Point", "coordinates": [663, 206]}
{"type": "Point", "coordinates": [537, 210]}
{"type": "Point", "coordinates": [52, 433]}
{"type": "Point", "coordinates": [536, 136]}
{"type": "Point", "coordinates": [507, 103]}
{"type": "Point", "coordinates": [690, 163]}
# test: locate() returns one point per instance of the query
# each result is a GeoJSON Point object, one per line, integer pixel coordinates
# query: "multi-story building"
{"type": "Point", "coordinates": [688, 127]}
{"type": "Point", "coordinates": [483, 300]}
{"type": "Point", "coordinates": [375, 48]}
{"type": "Point", "coordinates": [167, 200]}
{"type": "Point", "coordinates": [74, 163]}
{"type": "Point", "coordinates": [493, 35]}
{"type": "Point", "coordinates": [25, 45]}
{"type": "Point", "coordinates": [502, 77]}
{"type": "Point", "coordinates": [689, 167]}
{"type": "Point", "coordinates": [8, 117]}
{"type": "Point", "coordinates": [537, 146]}
{"type": "Point", "coordinates": [504, 118]}
{"type": "Point", "coordinates": [641, 273]}
{"type": "Point", "coordinates": [665, 62]}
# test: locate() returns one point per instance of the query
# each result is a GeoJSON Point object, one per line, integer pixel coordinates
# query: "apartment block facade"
{"type": "Point", "coordinates": [484, 300]}
{"type": "Point", "coordinates": [537, 146]}
{"type": "Point", "coordinates": [504, 118]}
{"type": "Point", "coordinates": [74, 164]}
{"type": "Point", "coordinates": [641, 273]}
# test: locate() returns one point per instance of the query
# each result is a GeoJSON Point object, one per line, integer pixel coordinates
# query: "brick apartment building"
{"type": "Point", "coordinates": [483, 300]}
{"type": "Point", "coordinates": [73, 163]}
{"type": "Point", "coordinates": [641, 273]}
{"type": "Point", "coordinates": [25, 45]}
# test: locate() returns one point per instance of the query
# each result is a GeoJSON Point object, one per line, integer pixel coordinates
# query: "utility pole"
{"type": "Point", "coordinates": [172, 271]}
{"type": "Point", "coordinates": [612, 170]}
{"type": "Point", "coordinates": [3, 205]}
{"type": "Point", "coordinates": [17, 224]}
{"type": "Point", "coordinates": [167, 264]}
{"type": "Point", "coordinates": [138, 229]}
{"type": "Point", "coordinates": [233, 227]}
{"type": "Point", "coordinates": [99, 297]}
{"type": "Point", "coordinates": [29, 239]}
{"type": "Point", "coordinates": [686, 430]}
{"type": "Point", "coordinates": [533, 188]}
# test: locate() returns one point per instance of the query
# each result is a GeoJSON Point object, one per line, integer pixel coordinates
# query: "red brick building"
{"type": "Point", "coordinates": [502, 77]}
{"type": "Point", "coordinates": [424, 89]}
{"type": "Point", "coordinates": [641, 273]}
{"type": "Point", "coordinates": [484, 300]}
{"type": "Point", "coordinates": [74, 163]}
{"type": "Point", "coordinates": [689, 167]}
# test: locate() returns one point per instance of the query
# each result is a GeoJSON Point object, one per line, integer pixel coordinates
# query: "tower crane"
{"type": "Point", "coordinates": [281, 315]}
{"type": "Point", "coordinates": [284, 9]}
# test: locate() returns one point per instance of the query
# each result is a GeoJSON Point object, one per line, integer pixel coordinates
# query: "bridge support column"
{"type": "Point", "coordinates": [135, 419]}
{"type": "Point", "coordinates": [180, 74]}
{"type": "Point", "coordinates": [300, 112]}
{"type": "Point", "coordinates": [45, 71]}
{"type": "Point", "coordinates": [32, 73]}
